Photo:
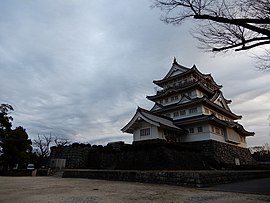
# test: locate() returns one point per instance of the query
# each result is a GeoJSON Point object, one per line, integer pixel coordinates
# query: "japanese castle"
{"type": "Point", "coordinates": [188, 107]}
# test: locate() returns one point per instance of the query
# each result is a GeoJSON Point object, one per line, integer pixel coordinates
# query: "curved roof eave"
{"type": "Point", "coordinates": [238, 127]}
{"type": "Point", "coordinates": [222, 109]}
{"type": "Point", "coordinates": [193, 69]}
{"type": "Point", "coordinates": [146, 115]}
{"type": "Point", "coordinates": [169, 90]}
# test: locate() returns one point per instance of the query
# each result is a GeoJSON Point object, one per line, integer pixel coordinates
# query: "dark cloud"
{"type": "Point", "coordinates": [79, 69]}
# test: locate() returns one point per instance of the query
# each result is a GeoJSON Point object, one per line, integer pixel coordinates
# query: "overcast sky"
{"type": "Point", "coordinates": [78, 69]}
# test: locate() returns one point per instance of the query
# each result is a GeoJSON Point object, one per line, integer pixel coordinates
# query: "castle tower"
{"type": "Point", "coordinates": [189, 107]}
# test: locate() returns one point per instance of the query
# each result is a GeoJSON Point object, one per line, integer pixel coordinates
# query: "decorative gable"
{"type": "Point", "coordinates": [150, 118]}
{"type": "Point", "coordinates": [176, 69]}
{"type": "Point", "coordinates": [219, 99]}
{"type": "Point", "coordinates": [156, 107]}
{"type": "Point", "coordinates": [184, 99]}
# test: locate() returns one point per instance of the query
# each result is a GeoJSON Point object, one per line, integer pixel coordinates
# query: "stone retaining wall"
{"type": "Point", "coordinates": [75, 156]}
{"type": "Point", "coordinates": [223, 155]}
{"type": "Point", "coordinates": [185, 178]}
{"type": "Point", "coordinates": [155, 155]}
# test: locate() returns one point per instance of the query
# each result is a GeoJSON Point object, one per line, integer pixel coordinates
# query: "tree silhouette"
{"type": "Point", "coordinates": [15, 147]}
{"type": "Point", "coordinates": [224, 24]}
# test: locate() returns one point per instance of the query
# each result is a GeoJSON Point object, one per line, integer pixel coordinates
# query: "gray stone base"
{"type": "Point", "coordinates": [184, 178]}
{"type": "Point", "coordinates": [156, 155]}
{"type": "Point", "coordinates": [223, 155]}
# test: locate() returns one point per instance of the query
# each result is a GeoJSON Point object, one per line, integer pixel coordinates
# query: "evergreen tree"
{"type": "Point", "coordinates": [15, 147]}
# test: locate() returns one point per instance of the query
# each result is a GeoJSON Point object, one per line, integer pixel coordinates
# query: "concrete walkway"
{"type": "Point", "coordinates": [256, 186]}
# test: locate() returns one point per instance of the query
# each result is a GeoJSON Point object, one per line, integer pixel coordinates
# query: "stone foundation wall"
{"type": "Point", "coordinates": [186, 178]}
{"type": "Point", "coordinates": [222, 154]}
{"type": "Point", "coordinates": [76, 156]}
{"type": "Point", "coordinates": [154, 155]}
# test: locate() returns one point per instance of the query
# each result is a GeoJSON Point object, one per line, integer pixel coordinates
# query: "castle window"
{"type": "Point", "coordinates": [166, 100]}
{"type": "Point", "coordinates": [168, 115]}
{"type": "Point", "coordinates": [145, 132]}
{"type": "Point", "coordinates": [200, 129]}
{"type": "Point", "coordinates": [221, 131]}
{"type": "Point", "coordinates": [191, 130]}
{"type": "Point", "coordinates": [174, 98]}
{"type": "Point", "coordinates": [217, 130]}
{"type": "Point", "coordinates": [183, 112]}
{"type": "Point", "coordinates": [176, 114]}
{"type": "Point", "coordinates": [193, 110]}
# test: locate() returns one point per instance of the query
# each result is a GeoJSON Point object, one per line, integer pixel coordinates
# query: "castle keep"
{"type": "Point", "coordinates": [189, 107]}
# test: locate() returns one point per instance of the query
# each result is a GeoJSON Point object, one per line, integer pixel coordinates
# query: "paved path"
{"type": "Point", "coordinates": [68, 190]}
{"type": "Point", "coordinates": [257, 186]}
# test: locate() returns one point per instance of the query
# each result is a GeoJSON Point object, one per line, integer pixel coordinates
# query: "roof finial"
{"type": "Point", "coordinates": [174, 60]}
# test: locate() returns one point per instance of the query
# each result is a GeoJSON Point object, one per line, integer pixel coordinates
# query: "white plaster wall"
{"type": "Point", "coordinates": [161, 133]}
{"type": "Point", "coordinates": [199, 112]}
{"type": "Point", "coordinates": [217, 137]}
{"type": "Point", "coordinates": [222, 138]}
{"type": "Point", "coordinates": [197, 136]}
{"type": "Point", "coordinates": [198, 93]}
{"type": "Point", "coordinates": [233, 135]}
{"type": "Point", "coordinates": [203, 110]}
{"type": "Point", "coordinates": [154, 133]}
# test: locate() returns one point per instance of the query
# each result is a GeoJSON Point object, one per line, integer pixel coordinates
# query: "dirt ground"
{"type": "Point", "coordinates": [53, 189]}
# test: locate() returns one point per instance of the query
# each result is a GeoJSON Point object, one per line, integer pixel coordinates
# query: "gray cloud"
{"type": "Point", "coordinates": [79, 69]}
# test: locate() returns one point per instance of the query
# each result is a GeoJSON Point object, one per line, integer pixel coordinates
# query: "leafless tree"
{"type": "Point", "coordinates": [267, 147]}
{"type": "Point", "coordinates": [224, 24]}
{"type": "Point", "coordinates": [42, 143]}
{"type": "Point", "coordinates": [61, 142]}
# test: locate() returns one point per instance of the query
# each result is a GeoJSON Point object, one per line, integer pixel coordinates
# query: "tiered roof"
{"type": "Point", "coordinates": [159, 108]}
{"type": "Point", "coordinates": [178, 71]}
{"type": "Point", "coordinates": [149, 117]}
{"type": "Point", "coordinates": [213, 97]}
{"type": "Point", "coordinates": [177, 82]}
{"type": "Point", "coordinates": [176, 89]}
{"type": "Point", "coordinates": [213, 119]}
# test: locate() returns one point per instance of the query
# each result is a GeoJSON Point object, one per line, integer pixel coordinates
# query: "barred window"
{"type": "Point", "coordinates": [191, 130]}
{"type": "Point", "coordinates": [183, 112]}
{"type": "Point", "coordinates": [200, 129]}
{"type": "Point", "coordinates": [168, 114]}
{"type": "Point", "coordinates": [221, 131]}
{"type": "Point", "coordinates": [145, 132]}
{"type": "Point", "coordinates": [176, 114]}
{"type": "Point", "coordinates": [193, 110]}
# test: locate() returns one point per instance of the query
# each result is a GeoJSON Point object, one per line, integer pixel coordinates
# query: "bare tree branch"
{"type": "Point", "coordinates": [241, 44]}
{"type": "Point", "coordinates": [240, 22]}
{"type": "Point", "coordinates": [224, 24]}
{"type": "Point", "coordinates": [43, 145]}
